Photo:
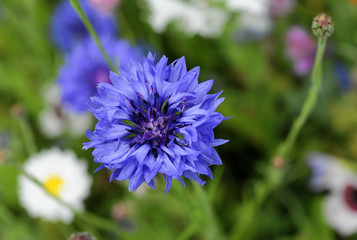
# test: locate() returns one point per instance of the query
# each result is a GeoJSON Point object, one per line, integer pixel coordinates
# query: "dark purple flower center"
{"type": "Point", "coordinates": [153, 127]}
{"type": "Point", "coordinates": [350, 196]}
{"type": "Point", "coordinates": [155, 124]}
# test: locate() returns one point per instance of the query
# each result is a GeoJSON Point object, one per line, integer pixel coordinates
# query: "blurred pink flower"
{"type": "Point", "coordinates": [300, 49]}
{"type": "Point", "coordinates": [105, 6]}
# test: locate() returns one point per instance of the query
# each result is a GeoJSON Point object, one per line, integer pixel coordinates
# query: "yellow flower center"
{"type": "Point", "coordinates": [54, 185]}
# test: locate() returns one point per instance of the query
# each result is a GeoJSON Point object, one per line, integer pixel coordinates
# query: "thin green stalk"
{"type": "Point", "coordinates": [77, 7]}
{"type": "Point", "coordinates": [309, 104]}
{"type": "Point", "coordinates": [27, 135]}
{"type": "Point", "coordinates": [273, 176]}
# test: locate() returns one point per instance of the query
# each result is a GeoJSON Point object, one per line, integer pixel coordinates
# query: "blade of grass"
{"type": "Point", "coordinates": [79, 10]}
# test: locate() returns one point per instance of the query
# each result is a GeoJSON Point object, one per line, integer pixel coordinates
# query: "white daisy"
{"type": "Point", "coordinates": [340, 206]}
{"type": "Point", "coordinates": [194, 17]}
{"type": "Point", "coordinates": [62, 175]}
{"type": "Point", "coordinates": [54, 119]}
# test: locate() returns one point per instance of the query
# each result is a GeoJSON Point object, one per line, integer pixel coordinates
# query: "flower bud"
{"type": "Point", "coordinates": [322, 26]}
{"type": "Point", "coordinates": [278, 162]}
{"type": "Point", "coordinates": [17, 110]}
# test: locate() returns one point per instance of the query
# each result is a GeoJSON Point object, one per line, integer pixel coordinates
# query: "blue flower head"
{"type": "Point", "coordinates": [85, 67]}
{"type": "Point", "coordinates": [68, 30]}
{"type": "Point", "coordinates": [153, 119]}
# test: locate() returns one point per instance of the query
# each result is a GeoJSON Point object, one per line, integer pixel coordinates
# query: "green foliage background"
{"type": "Point", "coordinates": [262, 95]}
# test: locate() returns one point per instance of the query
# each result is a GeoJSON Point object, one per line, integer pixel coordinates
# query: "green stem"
{"type": "Point", "coordinates": [272, 176]}
{"type": "Point", "coordinates": [309, 104]}
{"type": "Point", "coordinates": [27, 135]}
{"type": "Point", "coordinates": [77, 7]}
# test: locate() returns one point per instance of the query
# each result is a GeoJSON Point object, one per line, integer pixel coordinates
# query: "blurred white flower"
{"type": "Point", "coordinates": [327, 172]}
{"type": "Point", "coordinates": [341, 209]}
{"type": "Point", "coordinates": [255, 24]}
{"type": "Point", "coordinates": [55, 119]}
{"type": "Point", "coordinates": [62, 175]}
{"type": "Point", "coordinates": [249, 6]}
{"type": "Point", "coordinates": [340, 206]}
{"type": "Point", "coordinates": [194, 16]}
{"type": "Point", "coordinates": [255, 21]}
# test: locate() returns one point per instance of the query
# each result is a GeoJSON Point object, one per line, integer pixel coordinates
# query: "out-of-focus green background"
{"type": "Point", "coordinates": [261, 92]}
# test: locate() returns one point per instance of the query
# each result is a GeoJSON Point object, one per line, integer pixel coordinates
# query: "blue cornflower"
{"type": "Point", "coordinates": [85, 67]}
{"type": "Point", "coordinates": [153, 119]}
{"type": "Point", "coordinates": [67, 28]}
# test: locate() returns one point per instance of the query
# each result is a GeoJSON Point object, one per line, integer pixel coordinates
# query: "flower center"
{"type": "Point", "coordinates": [54, 185]}
{"type": "Point", "coordinates": [154, 127]}
{"type": "Point", "coordinates": [157, 130]}
{"type": "Point", "coordinates": [350, 196]}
